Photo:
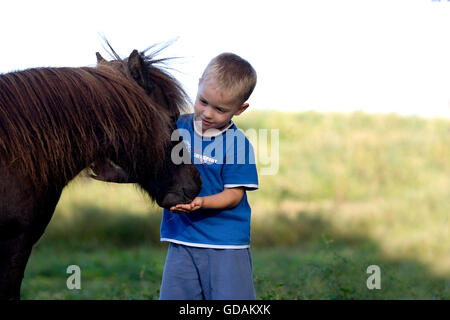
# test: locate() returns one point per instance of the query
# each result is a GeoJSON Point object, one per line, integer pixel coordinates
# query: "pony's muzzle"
{"type": "Point", "coordinates": [183, 196]}
{"type": "Point", "coordinates": [172, 199]}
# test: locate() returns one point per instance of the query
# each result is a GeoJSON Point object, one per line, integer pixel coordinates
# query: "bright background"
{"type": "Point", "coordinates": [375, 56]}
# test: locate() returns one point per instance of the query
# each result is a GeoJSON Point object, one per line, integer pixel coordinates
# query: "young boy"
{"type": "Point", "coordinates": [208, 255]}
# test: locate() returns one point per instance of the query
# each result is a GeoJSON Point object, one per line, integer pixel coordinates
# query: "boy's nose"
{"type": "Point", "coordinates": [207, 113]}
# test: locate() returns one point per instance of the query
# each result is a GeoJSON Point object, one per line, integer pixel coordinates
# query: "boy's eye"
{"type": "Point", "coordinates": [220, 110]}
{"type": "Point", "coordinates": [204, 102]}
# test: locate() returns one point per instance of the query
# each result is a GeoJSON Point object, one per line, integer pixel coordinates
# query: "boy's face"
{"type": "Point", "coordinates": [214, 107]}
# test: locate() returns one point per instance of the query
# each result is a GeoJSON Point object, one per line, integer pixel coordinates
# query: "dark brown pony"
{"type": "Point", "coordinates": [55, 122]}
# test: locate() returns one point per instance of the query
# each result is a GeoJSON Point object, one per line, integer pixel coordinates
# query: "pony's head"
{"type": "Point", "coordinates": [54, 122]}
{"type": "Point", "coordinates": [166, 182]}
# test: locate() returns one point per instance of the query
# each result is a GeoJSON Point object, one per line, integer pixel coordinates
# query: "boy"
{"type": "Point", "coordinates": [208, 255]}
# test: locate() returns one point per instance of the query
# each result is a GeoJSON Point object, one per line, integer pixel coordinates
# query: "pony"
{"type": "Point", "coordinates": [56, 122]}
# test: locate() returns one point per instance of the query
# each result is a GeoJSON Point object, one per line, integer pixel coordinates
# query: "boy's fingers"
{"type": "Point", "coordinates": [180, 208]}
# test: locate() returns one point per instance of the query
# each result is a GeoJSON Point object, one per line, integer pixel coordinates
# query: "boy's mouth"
{"type": "Point", "coordinates": [206, 123]}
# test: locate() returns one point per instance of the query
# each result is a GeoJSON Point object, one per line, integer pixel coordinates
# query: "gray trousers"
{"type": "Point", "coordinates": [192, 273]}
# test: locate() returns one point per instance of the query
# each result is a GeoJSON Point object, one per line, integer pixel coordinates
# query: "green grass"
{"type": "Point", "coordinates": [106, 272]}
{"type": "Point", "coordinates": [352, 190]}
{"type": "Point", "coordinates": [319, 271]}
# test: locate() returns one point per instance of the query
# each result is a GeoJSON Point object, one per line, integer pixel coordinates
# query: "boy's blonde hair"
{"type": "Point", "coordinates": [233, 74]}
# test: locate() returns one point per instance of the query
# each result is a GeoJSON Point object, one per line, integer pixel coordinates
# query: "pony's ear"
{"type": "Point", "coordinates": [138, 70]}
{"type": "Point", "coordinates": [99, 58]}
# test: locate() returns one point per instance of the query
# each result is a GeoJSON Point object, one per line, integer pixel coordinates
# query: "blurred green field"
{"type": "Point", "coordinates": [352, 190]}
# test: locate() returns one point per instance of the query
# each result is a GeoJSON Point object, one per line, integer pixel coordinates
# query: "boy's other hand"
{"type": "Point", "coordinates": [105, 171]}
{"type": "Point", "coordinates": [101, 171]}
{"type": "Point", "coordinates": [196, 204]}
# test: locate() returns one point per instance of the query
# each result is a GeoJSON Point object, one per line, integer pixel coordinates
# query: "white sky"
{"type": "Point", "coordinates": [340, 55]}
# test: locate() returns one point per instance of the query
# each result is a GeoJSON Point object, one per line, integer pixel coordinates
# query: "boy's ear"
{"type": "Point", "coordinates": [241, 109]}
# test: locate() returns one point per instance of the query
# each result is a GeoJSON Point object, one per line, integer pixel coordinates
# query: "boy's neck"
{"type": "Point", "coordinates": [210, 132]}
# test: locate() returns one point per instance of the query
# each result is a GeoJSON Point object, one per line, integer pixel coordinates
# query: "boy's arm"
{"type": "Point", "coordinates": [227, 199]}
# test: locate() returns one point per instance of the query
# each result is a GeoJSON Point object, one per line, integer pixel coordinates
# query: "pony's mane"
{"type": "Point", "coordinates": [159, 83]}
{"type": "Point", "coordinates": [56, 121]}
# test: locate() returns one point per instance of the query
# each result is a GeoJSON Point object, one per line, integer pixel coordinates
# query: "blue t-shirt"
{"type": "Point", "coordinates": [225, 160]}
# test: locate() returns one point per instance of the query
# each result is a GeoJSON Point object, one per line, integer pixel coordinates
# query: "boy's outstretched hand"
{"type": "Point", "coordinates": [197, 203]}
{"type": "Point", "coordinates": [228, 198]}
